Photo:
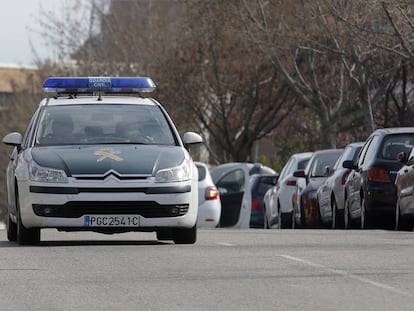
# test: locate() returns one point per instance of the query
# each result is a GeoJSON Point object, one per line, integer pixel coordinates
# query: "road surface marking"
{"type": "Point", "coordinates": [224, 244]}
{"type": "Point", "coordinates": [349, 275]}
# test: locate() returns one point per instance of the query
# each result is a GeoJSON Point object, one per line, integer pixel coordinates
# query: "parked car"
{"type": "Point", "coordinates": [209, 205]}
{"type": "Point", "coordinates": [254, 195]}
{"type": "Point", "coordinates": [278, 199]}
{"type": "Point", "coordinates": [231, 179]}
{"type": "Point", "coordinates": [304, 200]}
{"type": "Point", "coordinates": [404, 182]}
{"type": "Point", "coordinates": [332, 192]}
{"type": "Point", "coordinates": [371, 191]}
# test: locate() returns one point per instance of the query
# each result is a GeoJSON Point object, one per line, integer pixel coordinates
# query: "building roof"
{"type": "Point", "coordinates": [15, 78]}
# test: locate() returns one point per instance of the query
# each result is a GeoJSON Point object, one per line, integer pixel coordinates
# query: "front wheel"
{"type": "Point", "coordinates": [11, 229]}
{"type": "Point", "coordinates": [25, 236]}
{"type": "Point", "coordinates": [185, 235]}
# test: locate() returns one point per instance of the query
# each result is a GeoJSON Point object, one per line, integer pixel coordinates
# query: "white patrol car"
{"type": "Point", "coordinates": [101, 162]}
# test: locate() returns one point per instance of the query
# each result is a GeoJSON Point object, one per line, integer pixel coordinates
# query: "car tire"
{"type": "Point", "coordinates": [349, 223]}
{"type": "Point", "coordinates": [337, 216]}
{"type": "Point", "coordinates": [364, 218]}
{"type": "Point", "coordinates": [265, 221]}
{"type": "Point", "coordinates": [293, 221]}
{"type": "Point", "coordinates": [25, 236]}
{"type": "Point", "coordinates": [185, 235]}
{"type": "Point", "coordinates": [402, 223]}
{"type": "Point", "coordinates": [11, 229]}
{"type": "Point", "coordinates": [286, 220]}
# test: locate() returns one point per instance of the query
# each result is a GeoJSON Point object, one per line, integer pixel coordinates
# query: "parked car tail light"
{"type": "Point", "coordinates": [345, 176]}
{"type": "Point", "coordinates": [255, 203]}
{"type": "Point", "coordinates": [211, 193]}
{"type": "Point", "coordinates": [290, 182]}
{"type": "Point", "coordinates": [378, 175]}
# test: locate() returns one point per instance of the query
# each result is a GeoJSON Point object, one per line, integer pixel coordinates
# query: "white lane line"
{"type": "Point", "coordinates": [224, 244]}
{"type": "Point", "coordinates": [349, 275]}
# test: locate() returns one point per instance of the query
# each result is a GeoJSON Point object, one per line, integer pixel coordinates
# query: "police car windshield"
{"type": "Point", "coordinates": [103, 124]}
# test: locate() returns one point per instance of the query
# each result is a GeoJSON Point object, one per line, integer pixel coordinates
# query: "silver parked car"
{"type": "Point", "coordinates": [331, 193]}
{"type": "Point", "coordinates": [278, 199]}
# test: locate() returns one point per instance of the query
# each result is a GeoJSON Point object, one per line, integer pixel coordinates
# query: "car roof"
{"type": "Point", "coordinates": [327, 151]}
{"type": "Point", "coordinates": [302, 155]}
{"type": "Point", "coordinates": [356, 144]}
{"type": "Point", "coordinates": [394, 130]}
{"type": "Point", "coordinates": [133, 100]}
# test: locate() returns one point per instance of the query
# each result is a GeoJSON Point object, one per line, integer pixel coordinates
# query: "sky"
{"type": "Point", "coordinates": [17, 17]}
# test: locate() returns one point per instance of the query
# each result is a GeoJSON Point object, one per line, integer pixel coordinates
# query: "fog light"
{"type": "Point", "coordinates": [175, 210]}
{"type": "Point", "coordinates": [48, 210]}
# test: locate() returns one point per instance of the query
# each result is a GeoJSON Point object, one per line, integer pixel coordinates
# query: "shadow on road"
{"type": "Point", "coordinates": [6, 244]}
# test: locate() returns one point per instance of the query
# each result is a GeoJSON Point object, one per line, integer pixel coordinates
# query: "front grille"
{"type": "Point", "coordinates": [75, 209]}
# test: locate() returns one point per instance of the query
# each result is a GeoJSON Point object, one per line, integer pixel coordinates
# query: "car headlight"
{"type": "Point", "coordinates": [181, 172]}
{"type": "Point", "coordinates": [45, 174]}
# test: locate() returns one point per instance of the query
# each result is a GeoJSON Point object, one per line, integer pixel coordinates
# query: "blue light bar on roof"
{"type": "Point", "coordinates": [98, 84]}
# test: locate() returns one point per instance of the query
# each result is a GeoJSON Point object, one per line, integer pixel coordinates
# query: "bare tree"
{"type": "Point", "coordinates": [333, 71]}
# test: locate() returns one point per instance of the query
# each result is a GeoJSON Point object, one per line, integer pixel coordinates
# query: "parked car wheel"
{"type": "Point", "coordinates": [337, 216]}
{"type": "Point", "coordinates": [402, 223]}
{"type": "Point", "coordinates": [348, 221]}
{"type": "Point", "coordinates": [266, 221]}
{"type": "Point", "coordinates": [286, 221]}
{"type": "Point", "coordinates": [364, 220]}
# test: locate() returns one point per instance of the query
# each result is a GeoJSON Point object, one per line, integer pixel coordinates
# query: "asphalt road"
{"type": "Point", "coordinates": [224, 270]}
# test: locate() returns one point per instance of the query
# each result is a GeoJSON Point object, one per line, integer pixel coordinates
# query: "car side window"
{"type": "Point", "coordinates": [28, 131]}
{"type": "Point", "coordinates": [232, 182]}
{"type": "Point", "coordinates": [201, 172]}
{"type": "Point", "coordinates": [286, 170]}
{"type": "Point", "coordinates": [371, 149]}
{"type": "Point", "coordinates": [363, 152]}
{"type": "Point", "coordinates": [344, 156]}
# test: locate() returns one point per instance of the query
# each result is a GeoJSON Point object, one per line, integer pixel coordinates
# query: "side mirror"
{"type": "Point", "coordinates": [402, 157]}
{"type": "Point", "coordinates": [299, 174]}
{"type": "Point", "coordinates": [349, 164]}
{"type": "Point", "coordinates": [191, 138]}
{"type": "Point", "coordinates": [275, 179]}
{"type": "Point", "coordinates": [13, 139]}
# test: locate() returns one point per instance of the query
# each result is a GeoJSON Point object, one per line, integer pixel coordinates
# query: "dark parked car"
{"type": "Point", "coordinates": [253, 198]}
{"type": "Point", "coordinates": [371, 192]}
{"type": "Point", "coordinates": [404, 213]}
{"type": "Point", "coordinates": [305, 203]}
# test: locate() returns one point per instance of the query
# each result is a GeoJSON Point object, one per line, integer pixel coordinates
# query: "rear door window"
{"type": "Point", "coordinates": [232, 182]}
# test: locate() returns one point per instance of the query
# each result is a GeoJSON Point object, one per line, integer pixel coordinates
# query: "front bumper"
{"type": "Point", "coordinates": [68, 206]}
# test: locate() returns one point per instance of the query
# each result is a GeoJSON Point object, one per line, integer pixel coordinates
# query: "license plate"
{"type": "Point", "coordinates": [111, 221]}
